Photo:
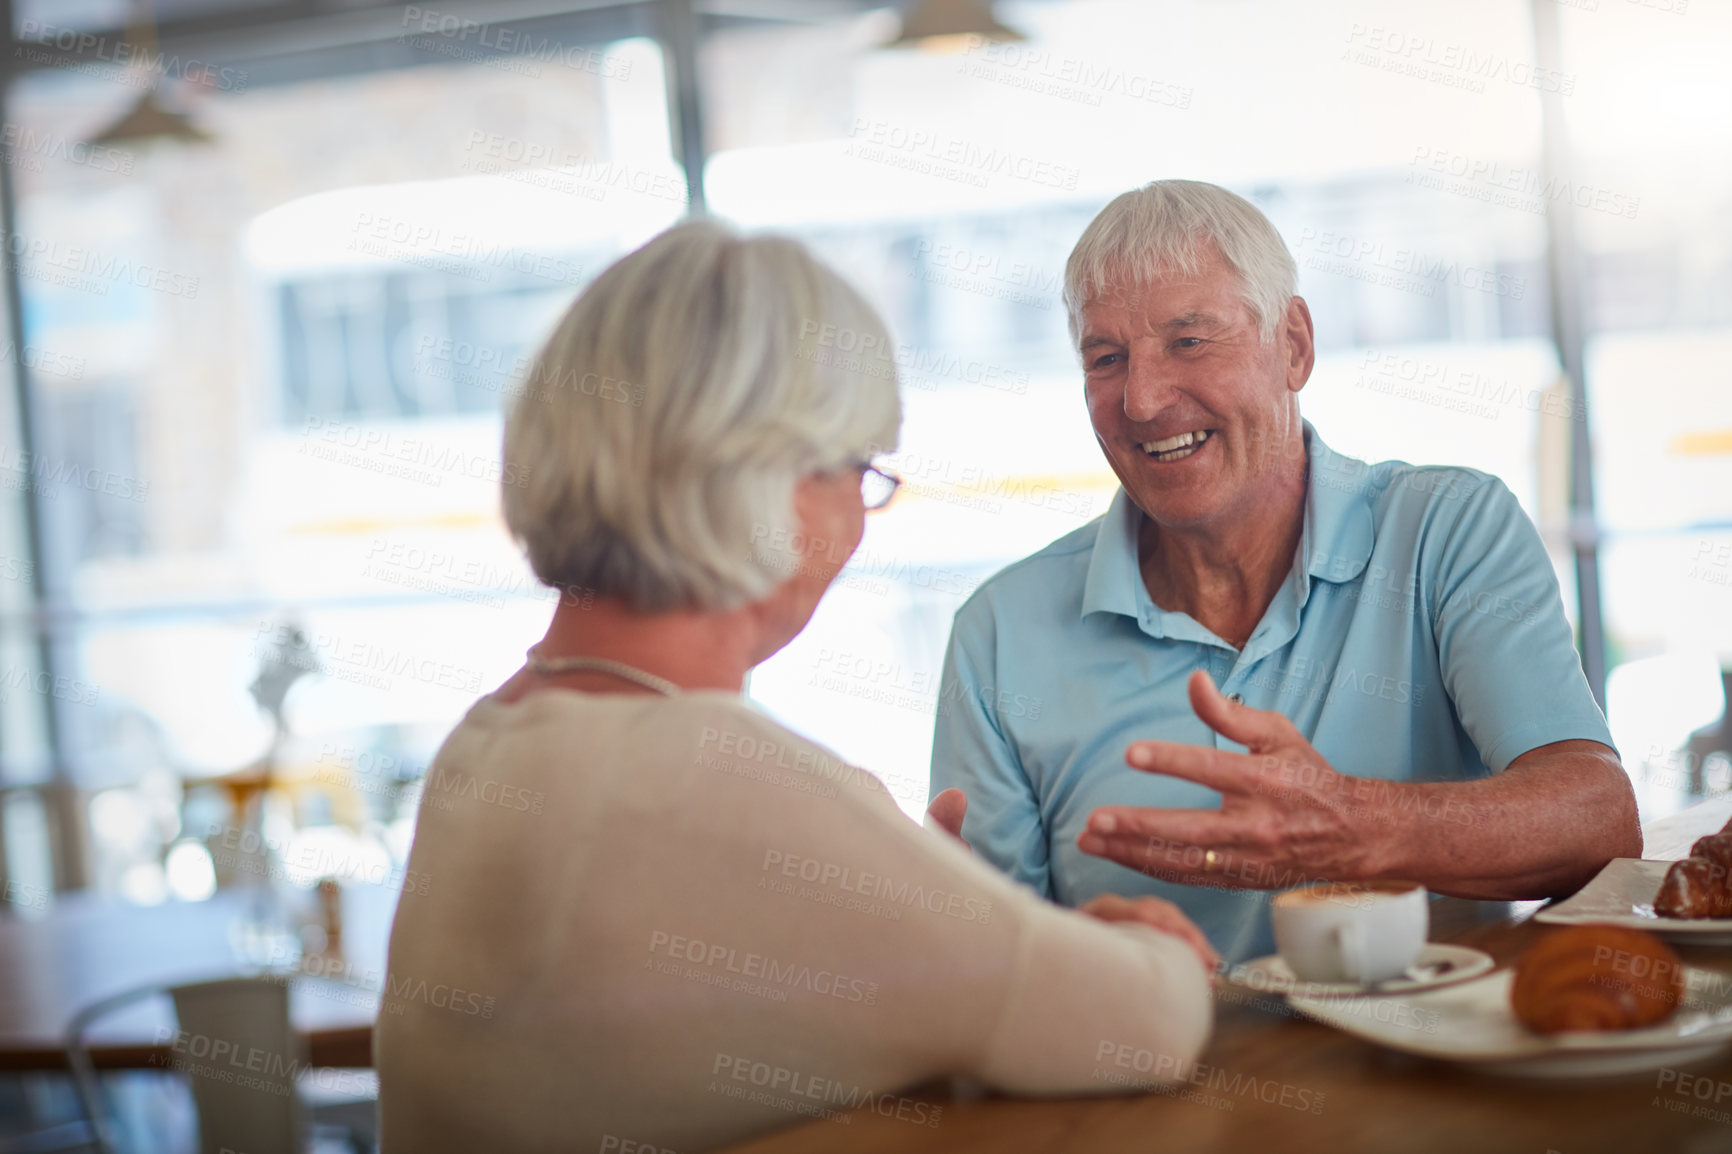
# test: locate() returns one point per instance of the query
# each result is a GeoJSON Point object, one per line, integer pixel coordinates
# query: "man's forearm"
{"type": "Point", "coordinates": [1540, 829]}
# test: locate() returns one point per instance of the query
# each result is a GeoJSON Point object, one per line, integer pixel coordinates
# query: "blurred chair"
{"type": "Point", "coordinates": [237, 1048]}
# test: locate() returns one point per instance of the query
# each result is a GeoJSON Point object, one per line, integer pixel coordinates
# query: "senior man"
{"type": "Point", "coordinates": [1402, 698]}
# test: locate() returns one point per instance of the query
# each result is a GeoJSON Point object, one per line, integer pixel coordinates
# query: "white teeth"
{"type": "Point", "coordinates": [1183, 440]}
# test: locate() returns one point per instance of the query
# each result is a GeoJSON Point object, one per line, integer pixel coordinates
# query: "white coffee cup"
{"type": "Point", "coordinates": [1360, 932]}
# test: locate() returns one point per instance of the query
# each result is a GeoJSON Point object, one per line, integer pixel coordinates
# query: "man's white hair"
{"type": "Point", "coordinates": [1167, 227]}
{"type": "Point", "coordinates": [679, 401]}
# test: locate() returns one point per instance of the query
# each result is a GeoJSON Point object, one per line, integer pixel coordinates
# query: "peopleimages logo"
{"type": "Point", "coordinates": [34, 35]}
{"type": "Point", "coordinates": [420, 242]}
{"type": "Point", "coordinates": [1378, 262]}
{"type": "Point", "coordinates": [799, 1091]}
{"type": "Point", "coordinates": [1520, 187]}
{"type": "Point", "coordinates": [864, 883]}
{"type": "Point", "coordinates": [836, 346]}
{"type": "Point", "coordinates": [68, 689]}
{"type": "Point", "coordinates": [25, 147]}
{"type": "Point", "coordinates": [564, 170]}
{"type": "Point", "coordinates": [508, 43]}
{"type": "Point", "coordinates": [1126, 1065]}
{"type": "Point", "coordinates": [48, 476]}
{"type": "Point", "coordinates": [937, 154]}
{"type": "Point", "coordinates": [42, 360]}
{"type": "Point", "coordinates": [774, 976]}
{"type": "Point", "coordinates": [1455, 65]}
{"type": "Point", "coordinates": [1065, 77]}
{"type": "Point", "coordinates": [87, 270]}
{"type": "Point", "coordinates": [413, 458]}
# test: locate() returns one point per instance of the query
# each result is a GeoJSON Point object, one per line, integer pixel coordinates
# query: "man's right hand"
{"type": "Point", "coordinates": [1162, 915]}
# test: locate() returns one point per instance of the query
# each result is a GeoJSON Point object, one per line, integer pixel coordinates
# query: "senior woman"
{"type": "Point", "coordinates": [651, 915]}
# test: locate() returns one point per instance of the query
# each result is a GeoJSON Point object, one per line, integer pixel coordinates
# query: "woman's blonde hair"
{"type": "Point", "coordinates": [677, 404]}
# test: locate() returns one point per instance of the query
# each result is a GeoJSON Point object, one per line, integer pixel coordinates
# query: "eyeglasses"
{"type": "Point", "coordinates": [876, 485]}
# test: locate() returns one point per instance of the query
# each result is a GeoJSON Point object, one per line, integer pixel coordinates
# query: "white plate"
{"type": "Point", "coordinates": [1622, 894]}
{"type": "Point", "coordinates": [1272, 975]}
{"type": "Point", "coordinates": [1472, 1023]}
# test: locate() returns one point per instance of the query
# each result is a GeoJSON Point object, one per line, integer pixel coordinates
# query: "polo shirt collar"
{"type": "Point", "coordinates": [1114, 580]}
{"type": "Point", "coordinates": [1339, 530]}
{"type": "Point", "coordinates": [1334, 544]}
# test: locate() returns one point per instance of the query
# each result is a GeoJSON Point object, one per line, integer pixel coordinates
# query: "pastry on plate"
{"type": "Point", "coordinates": [1596, 978]}
{"type": "Point", "coordinates": [1700, 886]}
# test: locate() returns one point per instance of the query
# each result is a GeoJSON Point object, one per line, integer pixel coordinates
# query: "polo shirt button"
{"type": "Point", "coordinates": [1236, 698]}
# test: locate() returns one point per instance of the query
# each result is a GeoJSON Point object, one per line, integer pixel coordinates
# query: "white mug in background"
{"type": "Point", "coordinates": [1360, 932]}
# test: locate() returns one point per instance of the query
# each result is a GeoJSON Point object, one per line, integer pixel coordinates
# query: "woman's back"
{"type": "Point", "coordinates": [673, 922]}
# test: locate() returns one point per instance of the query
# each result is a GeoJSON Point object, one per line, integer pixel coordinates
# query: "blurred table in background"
{"type": "Point", "coordinates": [89, 947]}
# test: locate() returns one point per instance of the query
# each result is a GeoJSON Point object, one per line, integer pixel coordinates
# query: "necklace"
{"type": "Point", "coordinates": [548, 667]}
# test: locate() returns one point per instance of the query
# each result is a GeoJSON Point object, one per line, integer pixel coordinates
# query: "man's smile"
{"type": "Point", "coordinates": [1177, 448]}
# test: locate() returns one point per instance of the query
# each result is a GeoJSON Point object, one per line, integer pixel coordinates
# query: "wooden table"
{"type": "Point", "coordinates": [1373, 1100]}
{"type": "Point", "coordinates": [88, 948]}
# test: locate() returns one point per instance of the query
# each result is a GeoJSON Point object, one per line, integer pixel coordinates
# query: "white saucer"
{"type": "Point", "coordinates": [1271, 975]}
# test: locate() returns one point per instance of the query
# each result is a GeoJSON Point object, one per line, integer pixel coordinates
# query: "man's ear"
{"type": "Point", "coordinates": [1301, 343]}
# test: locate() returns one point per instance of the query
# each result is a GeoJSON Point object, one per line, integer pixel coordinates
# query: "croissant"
{"type": "Point", "coordinates": [1596, 978]}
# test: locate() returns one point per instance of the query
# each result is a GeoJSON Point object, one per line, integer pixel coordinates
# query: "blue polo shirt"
{"type": "Point", "coordinates": [1418, 637]}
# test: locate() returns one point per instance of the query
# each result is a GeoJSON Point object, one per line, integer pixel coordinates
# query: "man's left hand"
{"type": "Point", "coordinates": [1286, 817]}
